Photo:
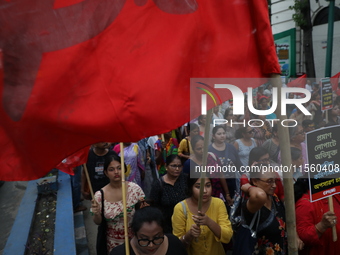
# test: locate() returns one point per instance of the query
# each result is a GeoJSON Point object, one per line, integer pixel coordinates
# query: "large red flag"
{"type": "Point", "coordinates": [79, 72]}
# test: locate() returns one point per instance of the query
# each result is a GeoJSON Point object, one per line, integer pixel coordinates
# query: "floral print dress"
{"type": "Point", "coordinates": [113, 213]}
{"type": "Point", "coordinates": [271, 231]}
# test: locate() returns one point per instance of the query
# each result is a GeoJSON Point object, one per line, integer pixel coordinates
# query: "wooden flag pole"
{"type": "Point", "coordinates": [287, 176]}
{"type": "Point", "coordinates": [205, 154]}
{"type": "Point", "coordinates": [88, 180]}
{"type": "Point", "coordinates": [331, 208]}
{"type": "Point", "coordinates": [126, 233]}
{"type": "Point", "coordinates": [162, 137]}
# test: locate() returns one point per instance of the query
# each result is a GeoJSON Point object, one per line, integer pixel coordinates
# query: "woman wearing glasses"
{"type": "Point", "coordinates": [170, 189]}
{"type": "Point", "coordinates": [149, 238]}
{"type": "Point", "coordinates": [267, 210]}
{"type": "Point", "coordinates": [259, 155]}
{"type": "Point", "coordinates": [202, 232]}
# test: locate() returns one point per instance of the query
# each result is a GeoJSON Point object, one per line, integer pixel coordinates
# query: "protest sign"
{"type": "Point", "coordinates": [326, 94]}
{"type": "Point", "coordinates": [323, 162]}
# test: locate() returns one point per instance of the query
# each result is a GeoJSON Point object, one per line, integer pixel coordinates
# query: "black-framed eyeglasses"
{"type": "Point", "coordinates": [156, 241]}
{"type": "Point", "coordinates": [176, 166]}
{"type": "Point", "coordinates": [270, 181]}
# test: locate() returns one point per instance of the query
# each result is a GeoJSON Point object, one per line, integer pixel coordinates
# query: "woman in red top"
{"type": "Point", "coordinates": [314, 222]}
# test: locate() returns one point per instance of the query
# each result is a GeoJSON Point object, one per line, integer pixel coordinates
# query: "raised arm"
{"type": "Point", "coordinates": [257, 197]}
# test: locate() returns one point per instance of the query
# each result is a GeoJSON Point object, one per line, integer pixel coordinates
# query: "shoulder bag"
{"type": "Point", "coordinates": [101, 245]}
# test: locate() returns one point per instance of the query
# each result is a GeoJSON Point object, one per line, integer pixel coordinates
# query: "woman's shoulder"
{"type": "Point", "coordinates": [120, 249]}
{"type": "Point", "coordinates": [98, 195]}
{"type": "Point", "coordinates": [182, 178]}
{"type": "Point", "coordinates": [303, 146]}
{"type": "Point", "coordinates": [266, 143]}
{"type": "Point", "coordinates": [182, 206]}
{"type": "Point", "coordinates": [184, 140]}
{"type": "Point", "coordinates": [173, 239]}
{"type": "Point", "coordinates": [133, 187]}
{"type": "Point", "coordinates": [216, 203]}
{"type": "Point", "coordinates": [176, 247]}
{"type": "Point", "coordinates": [231, 146]}
{"type": "Point", "coordinates": [188, 162]}
{"type": "Point", "coordinates": [303, 201]}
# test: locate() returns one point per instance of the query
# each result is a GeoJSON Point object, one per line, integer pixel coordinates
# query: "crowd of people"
{"type": "Point", "coordinates": [158, 170]}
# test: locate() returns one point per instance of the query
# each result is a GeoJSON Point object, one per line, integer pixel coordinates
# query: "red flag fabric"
{"type": "Point", "coordinates": [82, 72]}
{"type": "Point", "coordinates": [335, 81]}
{"type": "Point", "coordinates": [299, 82]}
{"type": "Point", "coordinates": [76, 159]}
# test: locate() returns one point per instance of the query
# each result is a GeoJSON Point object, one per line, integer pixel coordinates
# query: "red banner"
{"type": "Point", "coordinates": [335, 81]}
{"type": "Point", "coordinates": [299, 82]}
{"type": "Point", "coordinates": [78, 158]}
{"type": "Point", "coordinates": [116, 71]}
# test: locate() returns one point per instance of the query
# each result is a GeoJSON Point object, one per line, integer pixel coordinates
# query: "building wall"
{"type": "Point", "coordinates": [282, 21]}
{"type": "Point", "coordinates": [320, 48]}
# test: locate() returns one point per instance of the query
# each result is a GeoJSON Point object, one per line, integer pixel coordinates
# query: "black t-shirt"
{"type": "Point", "coordinates": [166, 196]}
{"type": "Point", "coordinates": [271, 230]}
{"type": "Point", "coordinates": [175, 247]}
{"type": "Point", "coordinates": [95, 167]}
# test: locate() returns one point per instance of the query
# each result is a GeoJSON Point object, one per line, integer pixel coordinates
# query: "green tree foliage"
{"type": "Point", "coordinates": [302, 18]}
{"type": "Point", "coordinates": [299, 7]}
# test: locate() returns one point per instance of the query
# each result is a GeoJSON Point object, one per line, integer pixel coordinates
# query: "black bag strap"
{"type": "Point", "coordinates": [102, 192]}
{"type": "Point", "coordinates": [271, 217]}
{"type": "Point", "coordinates": [256, 215]}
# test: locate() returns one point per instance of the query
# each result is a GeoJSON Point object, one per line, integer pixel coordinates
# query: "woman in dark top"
{"type": "Point", "coordinates": [170, 189]}
{"type": "Point", "coordinates": [149, 238]}
{"type": "Point", "coordinates": [219, 185]}
{"type": "Point", "coordinates": [228, 156]}
{"type": "Point", "coordinates": [263, 203]}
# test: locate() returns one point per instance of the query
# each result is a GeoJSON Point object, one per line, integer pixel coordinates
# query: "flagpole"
{"type": "Point", "coordinates": [126, 233]}
{"type": "Point", "coordinates": [284, 142]}
{"type": "Point", "coordinates": [88, 180]}
{"type": "Point", "coordinates": [205, 153]}
{"type": "Point", "coordinates": [331, 208]}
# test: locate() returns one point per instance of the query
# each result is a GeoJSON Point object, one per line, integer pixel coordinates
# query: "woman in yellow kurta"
{"type": "Point", "coordinates": [185, 149]}
{"type": "Point", "coordinates": [202, 232]}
